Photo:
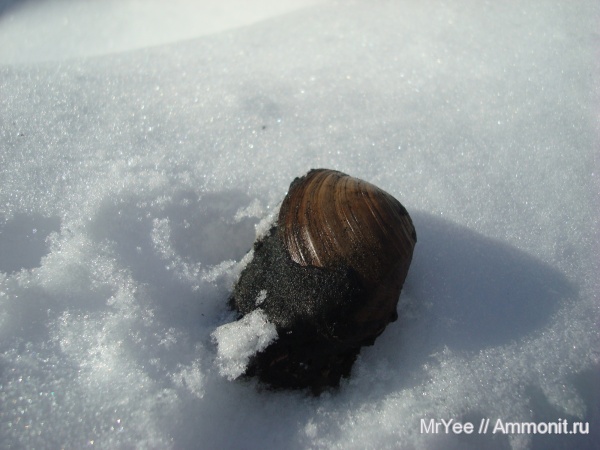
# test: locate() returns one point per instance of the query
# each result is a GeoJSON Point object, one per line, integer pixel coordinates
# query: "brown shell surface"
{"type": "Point", "coordinates": [330, 218]}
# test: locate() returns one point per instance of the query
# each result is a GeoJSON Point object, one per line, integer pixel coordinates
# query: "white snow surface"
{"type": "Point", "coordinates": [132, 184]}
{"type": "Point", "coordinates": [51, 30]}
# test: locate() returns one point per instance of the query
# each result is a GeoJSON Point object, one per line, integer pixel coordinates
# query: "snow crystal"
{"type": "Point", "coordinates": [262, 296]}
{"type": "Point", "coordinates": [254, 209]}
{"type": "Point", "coordinates": [267, 222]}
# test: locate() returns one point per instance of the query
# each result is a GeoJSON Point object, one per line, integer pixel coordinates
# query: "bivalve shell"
{"type": "Point", "coordinates": [329, 276]}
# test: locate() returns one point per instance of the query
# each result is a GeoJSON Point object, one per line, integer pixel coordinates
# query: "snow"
{"type": "Point", "coordinates": [238, 341]}
{"type": "Point", "coordinates": [54, 30]}
{"type": "Point", "coordinates": [136, 173]}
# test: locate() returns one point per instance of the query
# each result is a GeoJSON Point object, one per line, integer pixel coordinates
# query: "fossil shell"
{"type": "Point", "coordinates": [330, 218]}
{"type": "Point", "coordinates": [332, 269]}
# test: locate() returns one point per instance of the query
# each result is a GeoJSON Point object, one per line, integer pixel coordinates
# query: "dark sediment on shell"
{"type": "Point", "coordinates": [323, 315]}
{"type": "Point", "coordinates": [311, 309]}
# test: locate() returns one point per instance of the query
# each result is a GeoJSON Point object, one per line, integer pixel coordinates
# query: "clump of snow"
{"type": "Point", "coordinates": [266, 223]}
{"type": "Point", "coordinates": [254, 209]}
{"type": "Point", "coordinates": [134, 185]}
{"type": "Point", "coordinates": [262, 296]}
{"type": "Point", "coordinates": [238, 341]}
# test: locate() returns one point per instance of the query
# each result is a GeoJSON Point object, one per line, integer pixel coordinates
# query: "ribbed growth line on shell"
{"type": "Point", "coordinates": [329, 218]}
